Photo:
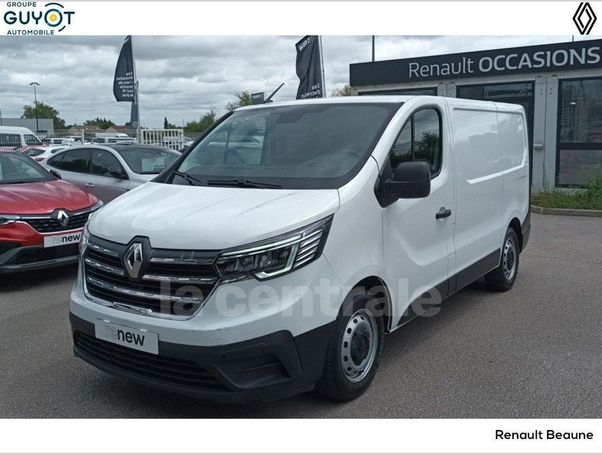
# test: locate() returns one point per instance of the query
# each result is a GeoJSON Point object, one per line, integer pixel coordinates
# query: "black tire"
{"type": "Point", "coordinates": [502, 278]}
{"type": "Point", "coordinates": [335, 383]}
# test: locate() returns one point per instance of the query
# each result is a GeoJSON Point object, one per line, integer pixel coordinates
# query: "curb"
{"type": "Point", "coordinates": [566, 212]}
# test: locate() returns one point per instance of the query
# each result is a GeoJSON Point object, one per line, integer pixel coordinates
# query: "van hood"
{"type": "Point", "coordinates": [209, 218]}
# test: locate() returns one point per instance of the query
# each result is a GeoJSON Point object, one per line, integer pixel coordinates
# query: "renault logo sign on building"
{"type": "Point", "coordinates": [584, 18]}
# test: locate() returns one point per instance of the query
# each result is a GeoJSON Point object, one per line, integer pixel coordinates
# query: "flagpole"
{"type": "Point", "coordinates": [322, 64]}
{"type": "Point", "coordinates": [135, 91]}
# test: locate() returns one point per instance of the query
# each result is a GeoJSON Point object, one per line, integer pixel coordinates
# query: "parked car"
{"type": "Point", "coordinates": [40, 153]}
{"type": "Point", "coordinates": [41, 217]}
{"type": "Point", "coordinates": [70, 140]}
{"type": "Point", "coordinates": [109, 171]}
{"type": "Point", "coordinates": [260, 268]}
{"type": "Point", "coordinates": [112, 138]}
{"type": "Point", "coordinates": [16, 136]}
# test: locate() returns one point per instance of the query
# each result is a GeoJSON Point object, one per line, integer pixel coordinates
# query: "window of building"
{"type": "Point", "coordinates": [579, 132]}
{"type": "Point", "coordinates": [419, 139]}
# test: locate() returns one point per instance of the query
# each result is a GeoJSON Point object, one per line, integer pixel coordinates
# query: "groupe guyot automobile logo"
{"type": "Point", "coordinates": [35, 18]}
{"type": "Point", "coordinates": [584, 18]}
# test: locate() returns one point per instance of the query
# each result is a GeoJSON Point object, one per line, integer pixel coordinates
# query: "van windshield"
{"type": "Point", "coordinates": [295, 147]}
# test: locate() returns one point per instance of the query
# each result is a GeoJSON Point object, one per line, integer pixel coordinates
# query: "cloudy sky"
{"type": "Point", "coordinates": [183, 77]}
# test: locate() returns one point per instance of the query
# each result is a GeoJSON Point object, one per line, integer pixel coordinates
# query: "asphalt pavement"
{"type": "Point", "coordinates": [532, 352]}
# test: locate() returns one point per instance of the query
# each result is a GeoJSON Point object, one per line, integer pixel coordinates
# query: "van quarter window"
{"type": "Point", "coordinates": [419, 139]}
{"type": "Point", "coordinates": [10, 140]}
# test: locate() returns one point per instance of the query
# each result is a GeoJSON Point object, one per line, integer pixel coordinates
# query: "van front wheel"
{"type": "Point", "coordinates": [502, 278]}
{"type": "Point", "coordinates": [354, 349]}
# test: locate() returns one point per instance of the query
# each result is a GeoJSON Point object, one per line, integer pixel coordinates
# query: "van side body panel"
{"type": "Point", "coordinates": [479, 184]}
{"type": "Point", "coordinates": [355, 242]}
{"type": "Point", "coordinates": [515, 155]}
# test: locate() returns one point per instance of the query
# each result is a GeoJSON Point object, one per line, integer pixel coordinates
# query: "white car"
{"type": "Point", "coordinates": [257, 269]}
{"type": "Point", "coordinates": [70, 140]}
{"type": "Point", "coordinates": [40, 153]}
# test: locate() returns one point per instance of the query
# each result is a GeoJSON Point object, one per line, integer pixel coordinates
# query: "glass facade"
{"type": "Point", "coordinates": [496, 92]}
{"type": "Point", "coordinates": [579, 131]}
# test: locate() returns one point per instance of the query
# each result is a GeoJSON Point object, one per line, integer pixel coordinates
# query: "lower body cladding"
{"type": "Point", "coordinates": [16, 258]}
{"type": "Point", "coordinates": [274, 350]}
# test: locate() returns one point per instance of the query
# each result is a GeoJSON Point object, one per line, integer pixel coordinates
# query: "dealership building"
{"type": "Point", "coordinates": [559, 85]}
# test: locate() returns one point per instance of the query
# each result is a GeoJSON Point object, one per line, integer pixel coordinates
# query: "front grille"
{"type": "Point", "coordinates": [170, 282]}
{"type": "Point", "coordinates": [156, 367]}
{"type": "Point", "coordinates": [50, 224]}
{"type": "Point", "coordinates": [33, 255]}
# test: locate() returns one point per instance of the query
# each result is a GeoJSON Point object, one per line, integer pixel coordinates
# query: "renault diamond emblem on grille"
{"type": "Point", "coordinates": [133, 259]}
{"type": "Point", "coordinates": [62, 217]}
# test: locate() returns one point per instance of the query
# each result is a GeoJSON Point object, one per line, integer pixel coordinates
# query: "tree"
{"type": "Point", "coordinates": [202, 125]}
{"type": "Point", "coordinates": [243, 99]}
{"type": "Point", "coordinates": [100, 123]}
{"type": "Point", "coordinates": [346, 90]}
{"type": "Point", "coordinates": [44, 111]}
{"type": "Point", "coordinates": [167, 125]}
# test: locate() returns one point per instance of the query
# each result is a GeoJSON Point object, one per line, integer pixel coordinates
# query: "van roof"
{"type": "Point", "coordinates": [15, 130]}
{"type": "Point", "coordinates": [389, 99]}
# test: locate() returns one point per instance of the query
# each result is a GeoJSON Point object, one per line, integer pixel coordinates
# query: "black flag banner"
{"type": "Point", "coordinates": [309, 68]}
{"type": "Point", "coordinates": [124, 83]}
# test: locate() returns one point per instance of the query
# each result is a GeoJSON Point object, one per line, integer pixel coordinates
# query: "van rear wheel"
{"type": "Point", "coordinates": [502, 278]}
{"type": "Point", "coordinates": [354, 349]}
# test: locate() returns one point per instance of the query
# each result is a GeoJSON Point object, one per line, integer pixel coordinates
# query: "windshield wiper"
{"type": "Point", "coordinates": [189, 178]}
{"type": "Point", "coordinates": [242, 183]}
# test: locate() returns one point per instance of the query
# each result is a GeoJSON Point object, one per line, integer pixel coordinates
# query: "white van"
{"type": "Point", "coordinates": [254, 269]}
{"type": "Point", "coordinates": [16, 136]}
{"type": "Point", "coordinates": [112, 138]}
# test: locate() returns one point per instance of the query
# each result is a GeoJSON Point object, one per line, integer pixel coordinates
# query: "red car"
{"type": "Point", "coordinates": [41, 217]}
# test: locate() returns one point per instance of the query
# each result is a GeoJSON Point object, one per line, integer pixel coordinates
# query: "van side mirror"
{"type": "Point", "coordinates": [411, 179]}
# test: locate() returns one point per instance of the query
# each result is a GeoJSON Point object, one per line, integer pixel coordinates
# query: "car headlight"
{"type": "Point", "coordinates": [96, 206]}
{"type": "Point", "coordinates": [275, 256]}
{"type": "Point", "coordinates": [5, 220]}
{"type": "Point", "coordinates": [83, 240]}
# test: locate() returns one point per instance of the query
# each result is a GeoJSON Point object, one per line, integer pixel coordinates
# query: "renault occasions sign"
{"type": "Point", "coordinates": [528, 59]}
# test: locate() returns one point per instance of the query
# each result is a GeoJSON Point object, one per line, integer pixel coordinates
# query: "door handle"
{"type": "Point", "coordinates": [89, 185]}
{"type": "Point", "coordinates": [443, 213]}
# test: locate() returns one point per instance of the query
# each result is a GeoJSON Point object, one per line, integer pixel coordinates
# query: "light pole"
{"type": "Point", "coordinates": [35, 102]}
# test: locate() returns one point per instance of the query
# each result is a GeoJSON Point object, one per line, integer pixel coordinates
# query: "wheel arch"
{"type": "Point", "coordinates": [516, 226]}
{"type": "Point", "coordinates": [376, 286]}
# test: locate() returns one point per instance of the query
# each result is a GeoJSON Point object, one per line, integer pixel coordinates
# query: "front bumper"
{"type": "Point", "coordinates": [26, 258]}
{"type": "Point", "coordinates": [269, 367]}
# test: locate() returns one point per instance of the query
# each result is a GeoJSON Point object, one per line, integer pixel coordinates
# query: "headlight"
{"type": "Point", "coordinates": [96, 206]}
{"type": "Point", "coordinates": [276, 256]}
{"type": "Point", "coordinates": [83, 240]}
{"type": "Point", "coordinates": [5, 220]}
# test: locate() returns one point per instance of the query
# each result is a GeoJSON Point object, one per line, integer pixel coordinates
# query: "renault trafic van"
{"type": "Point", "coordinates": [17, 136]}
{"type": "Point", "coordinates": [274, 255]}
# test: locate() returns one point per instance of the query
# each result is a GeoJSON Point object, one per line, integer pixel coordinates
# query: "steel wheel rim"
{"type": "Point", "coordinates": [359, 345]}
{"type": "Point", "coordinates": [509, 259]}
